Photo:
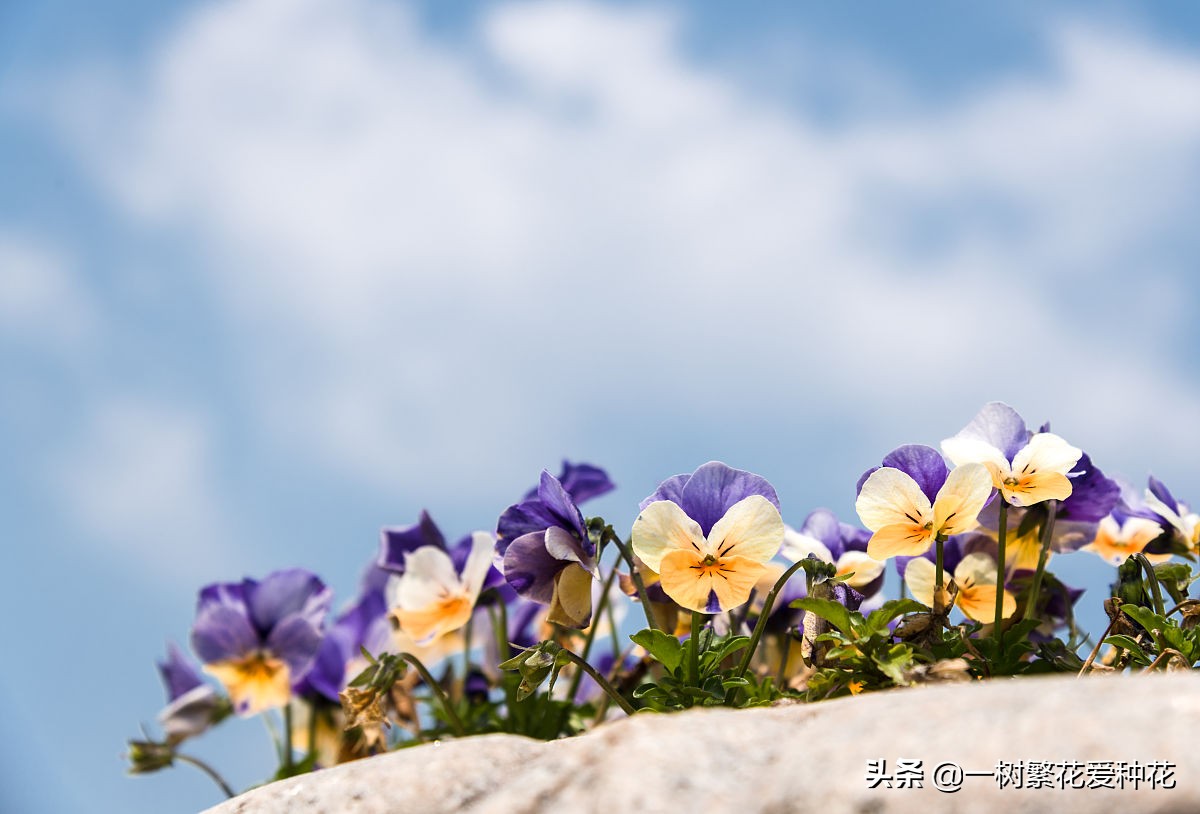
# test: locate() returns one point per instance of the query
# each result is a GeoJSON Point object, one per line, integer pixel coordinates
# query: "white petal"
{"type": "Point", "coordinates": [752, 528]}
{"type": "Point", "coordinates": [429, 576]}
{"type": "Point", "coordinates": [663, 527]}
{"type": "Point", "coordinates": [960, 499]}
{"type": "Point", "coordinates": [475, 570]}
{"type": "Point", "coordinates": [797, 546]}
{"type": "Point", "coordinates": [890, 497]}
{"type": "Point", "coordinates": [976, 569]}
{"type": "Point", "coordinates": [1046, 452]}
{"type": "Point", "coordinates": [919, 576]}
{"type": "Point", "coordinates": [865, 567]}
{"type": "Point", "coordinates": [974, 451]}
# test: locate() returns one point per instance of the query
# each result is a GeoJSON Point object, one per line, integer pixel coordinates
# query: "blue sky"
{"type": "Point", "coordinates": [275, 274]}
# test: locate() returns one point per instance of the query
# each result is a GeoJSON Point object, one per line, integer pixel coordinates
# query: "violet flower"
{"type": "Point", "coordinates": [192, 704]}
{"type": "Point", "coordinates": [709, 535]}
{"type": "Point", "coordinates": [840, 544]}
{"type": "Point", "coordinates": [914, 498]}
{"type": "Point", "coordinates": [547, 554]}
{"type": "Point", "coordinates": [258, 638]}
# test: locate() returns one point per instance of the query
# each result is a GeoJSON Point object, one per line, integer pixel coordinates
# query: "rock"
{"type": "Point", "coordinates": [805, 758]}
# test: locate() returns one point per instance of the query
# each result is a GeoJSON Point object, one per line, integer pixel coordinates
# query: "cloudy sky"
{"type": "Point", "coordinates": [274, 273]}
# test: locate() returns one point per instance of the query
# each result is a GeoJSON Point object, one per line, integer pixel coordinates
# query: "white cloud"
{"type": "Point", "coordinates": [443, 255]}
{"type": "Point", "coordinates": [137, 482]}
{"type": "Point", "coordinates": [42, 303]}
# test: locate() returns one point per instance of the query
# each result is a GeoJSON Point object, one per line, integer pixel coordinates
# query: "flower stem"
{"type": "Point", "coordinates": [288, 754]}
{"type": "Point", "coordinates": [694, 649]}
{"type": "Point", "coordinates": [785, 651]}
{"type": "Point", "coordinates": [591, 634]}
{"type": "Point", "coordinates": [938, 574]}
{"type": "Point", "coordinates": [455, 722]}
{"type": "Point", "coordinates": [208, 770]}
{"type": "Point", "coordinates": [1099, 643]}
{"type": "Point", "coordinates": [600, 680]}
{"type": "Point", "coordinates": [759, 626]}
{"type": "Point", "coordinates": [312, 733]}
{"type": "Point", "coordinates": [1152, 578]}
{"type": "Point", "coordinates": [636, 575]}
{"type": "Point", "coordinates": [1001, 569]}
{"type": "Point", "coordinates": [1047, 535]}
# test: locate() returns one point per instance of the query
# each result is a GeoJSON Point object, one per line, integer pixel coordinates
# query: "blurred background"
{"type": "Point", "coordinates": [275, 273]}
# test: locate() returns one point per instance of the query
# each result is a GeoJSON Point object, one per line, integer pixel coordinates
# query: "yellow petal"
{"type": "Point", "coordinates": [862, 565]}
{"type": "Point", "coordinates": [889, 497]}
{"type": "Point", "coordinates": [919, 576]}
{"type": "Point", "coordinates": [435, 619]}
{"type": "Point", "coordinates": [1046, 452]}
{"type": "Point", "coordinates": [707, 584]}
{"type": "Point", "coordinates": [1026, 490]}
{"type": "Point", "coordinates": [254, 684]}
{"type": "Point", "coordinates": [571, 605]}
{"type": "Point", "coordinates": [958, 502]}
{"type": "Point", "coordinates": [751, 528]}
{"type": "Point", "coordinates": [662, 527]}
{"type": "Point", "coordinates": [978, 602]}
{"type": "Point", "coordinates": [899, 540]}
{"type": "Point", "coordinates": [1022, 553]}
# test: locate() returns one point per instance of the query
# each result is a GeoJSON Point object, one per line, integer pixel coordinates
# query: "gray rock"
{"type": "Point", "coordinates": [800, 757]}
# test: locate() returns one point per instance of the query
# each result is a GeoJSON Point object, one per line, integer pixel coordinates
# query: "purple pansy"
{"type": "Point", "coordinates": [396, 542]}
{"type": "Point", "coordinates": [547, 554]}
{"type": "Point", "coordinates": [192, 705]}
{"type": "Point", "coordinates": [258, 637]}
{"type": "Point", "coordinates": [581, 481]}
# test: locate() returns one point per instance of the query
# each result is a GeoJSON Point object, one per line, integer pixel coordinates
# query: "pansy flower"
{"type": "Point", "coordinates": [581, 481]}
{"type": "Point", "coordinates": [914, 498]}
{"type": "Point", "coordinates": [257, 638]}
{"type": "Point", "coordinates": [434, 596]}
{"type": "Point", "coordinates": [547, 554]}
{"type": "Point", "coordinates": [1026, 467]}
{"type": "Point", "coordinates": [975, 576]}
{"type": "Point", "coordinates": [192, 705]}
{"type": "Point", "coordinates": [1121, 535]}
{"type": "Point", "coordinates": [1183, 523]}
{"type": "Point", "coordinates": [840, 544]}
{"type": "Point", "coordinates": [708, 535]}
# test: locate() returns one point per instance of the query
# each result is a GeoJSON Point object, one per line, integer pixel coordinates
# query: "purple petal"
{"type": "Point", "coordinates": [713, 605]}
{"type": "Point", "coordinates": [223, 632]}
{"type": "Point", "coordinates": [396, 541]}
{"type": "Point", "coordinates": [1160, 491]}
{"type": "Point", "coordinates": [923, 464]}
{"type": "Point", "coordinates": [230, 594]}
{"type": "Point", "coordinates": [999, 425]}
{"type": "Point", "coordinates": [328, 671]}
{"type": "Point", "coordinates": [1092, 497]}
{"type": "Point", "coordinates": [823, 525]}
{"type": "Point", "coordinates": [461, 551]}
{"type": "Point", "coordinates": [178, 674]}
{"type": "Point", "coordinates": [582, 482]}
{"type": "Point", "coordinates": [552, 494]}
{"type": "Point", "coordinates": [853, 537]}
{"type": "Point", "coordinates": [671, 489]}
{"type": "Point", "coordinates": [530, 569]}
{"type": "Point", "coordinates": [295, 640]}
{"type": "Point", "coordinates": [527, 517]}
{"type": "Point", "coordinates": [863, 479]}
{"type": "Point", "coordinates": [285, 593]}
{"type": "Point", "coordinates": [714, 487]}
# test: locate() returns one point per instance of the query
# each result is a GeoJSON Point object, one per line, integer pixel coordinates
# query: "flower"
{"type": "Point", "coordinates": [708, 535]}
{"type": "Point", "coordinates": [192, 705]}
{"type": "Point", "coordinates": [434, 595]}
{"type": "Point", "coordinates": [1026, 467]}
{"type": "Point", "coordinates": [975, 576]}
{"type": "Point", "coordinates": [913, 499]}
{"type": "Point", "coordinates": [1183, 523]}
{"type": "Point", "coordinates": [841, 544]}
{"type": "Point", "coordinates": [1122, 535]}
{"type": "Point", "coordinates": [547, 554]}
{"type": "Point", "coordinates": [257, 638]}
{"type": "Point", "coordinates": [581, 481]}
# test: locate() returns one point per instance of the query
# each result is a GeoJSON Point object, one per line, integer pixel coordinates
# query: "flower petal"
{"type": "Point", "coordinates": [571, 605]}
{"type": "Point", "coordinates": [979, 603]}
{"type": "Point", "coordinates": [752, 528]}
{"type": "Point", "coordinates": [529, 569]}
{"type": "Point", "coordinates": [956, 509]}
{"type": "Point", "coordinates": [1046, 452]}
{"type": "Point", "coordinates": [797, 545]}
{"type": "Point", "coordinates": [479, 562]}
{"type": "Point", "coordinates": [999, 426]}
{"type": "Point", "coordinates": [719, 586]}
{"type": "Point", "coordinates": [976, 569]}
{"type": "Point", "coordinates": [663, 527]}
{"type": "Point", "coordinates": [283, 593]}
{"type": "Point", "coordinates": [899, 540]}
{"type": "Point", "coordinates": [1037, 487]}
{"type": "Point", "coordinates": [962, 451]}
{"type": "Point", "coordinates": [921, 463]}
{"type": "Point", "coordinates": [889, 497]}
{"type": "Point", "coordinates": [429, 576]}
{"type": "Point", "coordinates": [865, 568]}
{"type": "Point", "coordinates": [715, 487]}
{"type": "Point", "coordinates": [919, 577]}
{"type": "Point", "coordinates": [822, 525]}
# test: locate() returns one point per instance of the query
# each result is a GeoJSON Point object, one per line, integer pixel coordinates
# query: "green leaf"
{"type": "Point", "coordinates": [1130, 644]}
{"type": "Point", "coordinates": [895, 662]}
{"type": "Point", "coordinates": [833, 612]}
{"type": "Point", "coordinates": [666, 649]}
{"type": "Point", "coordinates": [1147, 618]}
{"type": "Point", "coordinates": [878, 621]}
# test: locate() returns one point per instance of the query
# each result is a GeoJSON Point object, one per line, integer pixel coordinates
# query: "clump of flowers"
{"type": "Point", "coordinates": [556, 621]}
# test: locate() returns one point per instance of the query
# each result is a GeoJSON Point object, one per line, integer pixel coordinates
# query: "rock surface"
{"type": "Point", "coordinates": [800, 758]}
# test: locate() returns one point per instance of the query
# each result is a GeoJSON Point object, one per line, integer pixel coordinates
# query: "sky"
{"type": "Point", "coordinates": [277, 273]}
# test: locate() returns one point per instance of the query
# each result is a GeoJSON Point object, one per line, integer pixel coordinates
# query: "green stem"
{"type": "Point", "coordinates": [759, 626]}
{"type": "Point", "coordinates": [208, 770]}
{"type": "Point", "coordinates": [938, 575]}
{"type": "Point", "coordinates": [455, 722]}
{"type": "Point", "coordinates": [1152, 578]}
{"type": "Point", "coordinates": [786, 649]}
{"type": "Point", "coordinates": [269, 722]}
{"type": "Point", "coordinates": [1036, 587]}
{"type": "Point", "coordinates": [312, 733]}
{"type": "Point", "coordinates": [288, 754]}
{"type": "Point", "coordinates": [1001, 569]}
{"type": "Point", "coordinates": [591, 634]}
{"type": "Point", "coordinates": [600, 680]}
{"type": "Point", "coordinates": [698, 619]}
{"type": "Point", "coordinates": [636, 575]}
